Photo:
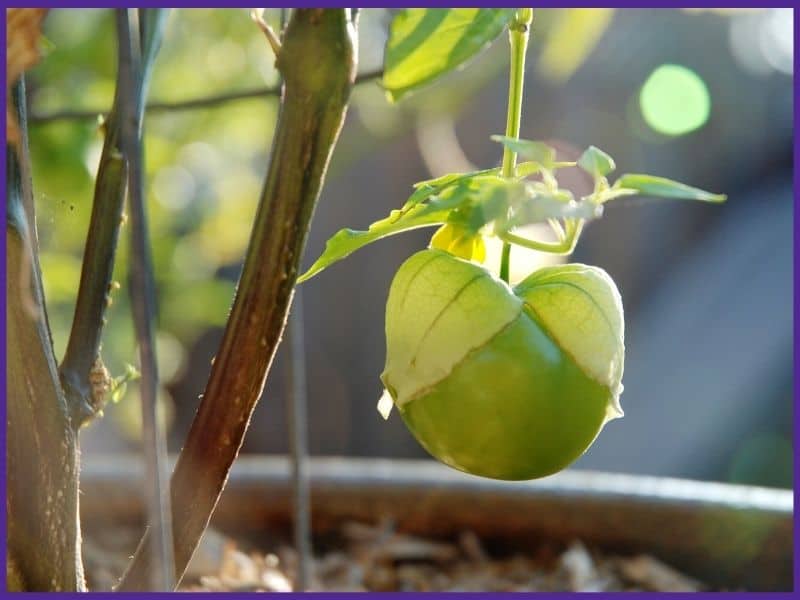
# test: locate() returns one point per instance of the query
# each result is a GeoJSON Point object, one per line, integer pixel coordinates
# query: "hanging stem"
{"type": "Point", "coordinates": [518, 39]}
{"type": "Point", "coordinates": [564, 246]}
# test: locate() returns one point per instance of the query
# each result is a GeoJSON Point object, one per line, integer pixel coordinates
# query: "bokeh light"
{"type": "Point", "coordinates": [674, 100]}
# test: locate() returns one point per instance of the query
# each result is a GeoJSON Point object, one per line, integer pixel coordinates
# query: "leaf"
{"type": "Point", "coordinates": [347, 241]}
{"type": "Point", "coordinates": [650, 185]}
{"type": "Point", "coordinates": [23, 32]}
{"type": "Point", "coordinates": [609, 194]}
{"type": "Point", "coordinates": [425, 189]}
{"type": "Point", "coordinates": [536, 151]}
{"type": "Point", "coordinates": [540, 207]}
{"type": "Point", "coordinates": [451, 178]}
{"type": "Point", "coordinates": [471, 204]}
{"type": "Point", "coordinates": [523, 169]}
{"type": "Point", "coordinates": [596, 162]}
{"type": "Point", "coordinates": [119, 385]}
{"type": "Point", "coordinates": [426, 43]}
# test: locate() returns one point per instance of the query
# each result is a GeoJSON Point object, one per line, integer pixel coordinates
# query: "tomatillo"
{"type": "Point", "coordinates": [509, 383]}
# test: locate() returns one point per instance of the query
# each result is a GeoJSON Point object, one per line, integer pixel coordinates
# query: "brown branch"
{"type": "Point", "coordinates": [43, 543]}
{"type": "Point", "coordinates": [88, 322]}
{"type": "Point", "coordinates": [193, 104]}
{"type": "Point", "coordinates": [317, 62]}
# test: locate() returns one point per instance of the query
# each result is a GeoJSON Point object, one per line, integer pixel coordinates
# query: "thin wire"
{"type": "Point", "coordinates": [297, 413]}
{"type": "Point", "coordinates": [143, 305]}
{"type": "Point", "coordinates": [297, 425]}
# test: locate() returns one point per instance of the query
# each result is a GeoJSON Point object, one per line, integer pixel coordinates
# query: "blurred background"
{"type": "Point", "coordinates": [702, 96]}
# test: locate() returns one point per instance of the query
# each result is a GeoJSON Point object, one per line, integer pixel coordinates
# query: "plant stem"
{"type": "Point", "coordinates": [317, 61]}
{"type": "Point", "coordinates": [505, 262]}
{"type": "Point", "coordinates": [83, 346]}
{"type": "Point", "coordinates": [43, 542]}
{"type": "Point", "coordinates": [518, 40]}
{"type": "Point", "coordinates": [565, 246]}
{"type": "Point", "coordinates": [141, 288]}
{"type": "Point", "coordinates": [297, 426]}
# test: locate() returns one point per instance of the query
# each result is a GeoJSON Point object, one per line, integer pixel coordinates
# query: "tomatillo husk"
{"type": "Point", "coordinates": [508, 383]}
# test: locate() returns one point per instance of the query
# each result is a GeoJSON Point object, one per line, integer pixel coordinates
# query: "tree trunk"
{"type": "Point", "coordinates": [41, 447]}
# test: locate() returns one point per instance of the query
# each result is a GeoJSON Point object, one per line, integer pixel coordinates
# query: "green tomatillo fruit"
{"type": "Point", "coordinates": [508, 383]}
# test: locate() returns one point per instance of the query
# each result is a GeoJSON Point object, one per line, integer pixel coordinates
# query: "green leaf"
{"type": "Point", "coordinates": [596, 162]}
{"type": "Point", "coordinates": [119, 385]}
{"type": "Point", "coordinates": [538, 152]}
{"type": "Point", "coordinates": [426, 43]}
{"type": "Point", "coordinates": [471, 204]}
{"type": "Point", "coordinates": [540, 207]}
{"type": "Point", "coordinates": [609, 194]}
{"type": "Point", "coordinates": [452, 178]}
{"type": "Point", "coordinates": [347, 241]}
{"type": "Point", "coordinates": [651, 185]}
{"type": "Point", "coordinates": [523, 169]}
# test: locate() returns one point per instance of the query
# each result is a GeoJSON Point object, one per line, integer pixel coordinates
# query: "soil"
{"type": "Point", "coordinates": [377, 557]}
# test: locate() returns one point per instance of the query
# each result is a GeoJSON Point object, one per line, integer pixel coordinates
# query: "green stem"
{"type": "Point", "coordinates": [518, 39]}
{"type": "Point", "coordinates": [505, 261]}
{"type": "Point", "coordinates": [565, 246]}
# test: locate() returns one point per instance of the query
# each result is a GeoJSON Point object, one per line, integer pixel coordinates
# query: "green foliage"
{"type": "Point", "coordinates": [119, 384]}
{"type": "Point", "coordinates": [484, 202]}
{"type": "Point", "coordinates": [471, 201]}
{"type": "Point", "coordinates": [650, 185]}
{"type": "Point", "coordinates": [538, 152]}
{"type": "Point", "coordinates": [426, 43]}
{"type": "Point", "coordinates": [596, 162]}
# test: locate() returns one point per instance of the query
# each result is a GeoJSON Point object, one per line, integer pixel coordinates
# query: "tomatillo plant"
{"type": "Point", "coordinates": [498, 381]}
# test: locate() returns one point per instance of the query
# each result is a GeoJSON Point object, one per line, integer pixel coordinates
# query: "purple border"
{"type": "Point", "coordinates": [440, 595]}
{"type": "Point", "coordinates": [544, 4]}
{"type": "Point", "coordinates": [796, 421]}
{"type": "Point", "coordinates": [3, 375]}
{"type": "Point", "coordinates": [616, 4]}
